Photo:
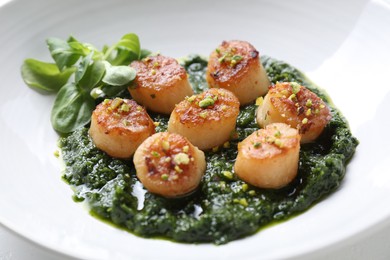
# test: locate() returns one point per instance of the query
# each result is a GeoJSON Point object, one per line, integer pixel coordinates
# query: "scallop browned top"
{"type": "Point", "coordinates": [231, 61]}
{"type": "Point", "coordinates": [211, 105]}
{"type": "Point", "coordinates": [300, 107]}
{"type": "Point", "coordinates": [273, 140]}
{"type": "Point", "coordinates": [122, 116]}
{"type": "Point", "coordinates": [157, 72]}
{"type": "Point", "coordinates": [169, 158]}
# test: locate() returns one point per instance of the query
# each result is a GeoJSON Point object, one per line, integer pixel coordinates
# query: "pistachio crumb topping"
{"type": "Point", "coordinates": [252, 192]}
{"type": "Point", "coordinates": [181, 158]}
{"type": "Point", "coordinates": [295, 87]}
{"type": "Point", "coordinates": [186, 148]}
{"type": "Point", "coordinates": [155, 154]}
{"type": "Point", "coordinates": [278, 134]}
{"type": "Point", "coordinates": [259, 101]}
{"type": "Point", "coordinates": [309, 103]}
{"type": "Point", "coordinates": [208, 101]}
{"type": "Point", "coordinates": [257, 145]}
{"type": "Point", "coordinates": [308, 112]}
{"type": "Point", "coordinates": [228, 175]}
{"type": "Point", "coordinates": [304, 121]}
{"type": "Point", "coordinates": [241, 201]}
{"type": "Point", "coordinates": [164, 177]}
{"type": "Point", "coordinates": [203, 114]}
{"type": "Point", "coordinates": [167, 159]}
{"type": "Point", "coordinates": [278, 143]}
{"type": "Point", "coordinates": [191, 98]}
{"type": "Point", "coordinates": [178, 169]}
{"type": "Point", "coordinates": [125, 107]}
{"type": "Point", "coordinates": [244, 187]}
{"type": "Point", "coordinates": [165, 145]}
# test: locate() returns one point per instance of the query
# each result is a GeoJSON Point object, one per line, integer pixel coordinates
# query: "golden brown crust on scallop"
{"type": "Point", "coordinates": [224, 68]}
{"type": "Point", "coordinates": [225, 105]}
{"type": "Point", "coordinates": [157, 72]}
{"type": "Point", "coordinates": [169, 165]}
{"type": "Point", "coordinates": [297, 106]}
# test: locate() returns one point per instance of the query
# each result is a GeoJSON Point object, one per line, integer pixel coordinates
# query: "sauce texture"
{"type": "Point", "coordinates": [223, 208]}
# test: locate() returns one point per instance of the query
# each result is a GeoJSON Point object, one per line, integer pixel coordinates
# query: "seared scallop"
{"type": "Point", "coordinates": [206, 119]}
{"type": "Point", "coordinates": [236, 66]}
{"type": "Point", "coordinates": [268, 158]}
{"type": "Point", "coordinates": [169, 165]}
{"type": "Point", "coordinates": [295, 105]}
{"type": "Point", "coordinates": [119, 126]}
{"type": "Point", "coordinates": [160, 83]}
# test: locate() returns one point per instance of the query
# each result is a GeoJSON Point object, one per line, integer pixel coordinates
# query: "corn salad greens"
{"type": "Point", "coordinates": [80, 74]}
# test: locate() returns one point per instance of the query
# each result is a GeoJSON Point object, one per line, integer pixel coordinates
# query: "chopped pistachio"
{"type": "Point", "coordinates": [181, 158]}
{"type": "Point", "coordinates": [309, 103]}
{"type": "Point", "coordinates": [165, 145]}
{"type": "Point", "coordinates": [217, 50]}
{"type": "Point", "coordinates": [257, 145]}
{"type": "Point", "coordinates": [278, 143]}
{"type": "Point", "coordinates": [116, 103]}
{"type": "Point", "coordinates": [304, 121]}
{"type": "Point", "coordinates": [125, 107]}
{"type": "Point", "coordinates": [244, 187]}
{"type": "Point", "coordinates": [208, 101]}
{"type": "Point", "coordinates": [125, 122]}
{"type": "Point", "coordinates": [105, 101]}
{"type": "Point", "coordinates": [322, 106]}
{"type": "Point", "coordinates": [226, 144]}
{"type": "Point", "coordinates": [178, 169]}
{"type": "Point", "coordinates": [155, 154]}
{"type": "Point", "coordinates": [242, 201]}
{"type": "Point", "coordinates": [191, 99]}
{"type": "Point", "coordinates": [215, 149]}
{"type": "Point", "coordinates": [153, 71]}
{"type": "Point", "coordinates": [308, 112]}
{"type": "Point", "coordinates": [227, 174]}
{"type": "Point", "coordinates": [259, 101]}
{"type": "Point", "coordinates": [175, 177]}
{"type": "Point", "coordinates": [278, 134]}
{"type": "Point", "coordinates": [164, 177]}
{"type": "Point", "coordinates": [295, 87]}
{"type": "Point", "coordinates": [292, 96]}
{"type": "Point", "coordinates": [139, 108]}
{"type": "Point", "coordinates": [252, 192]}
{"type": "Point", "coordinates": [167, 159]}
{"type": "Point", "coordinates": [156, 123]}
{"type": "Point", "coordinates": [57, 153]}
{"type": "Point", "coordinates": [186, 148]}
{"type": "Point", "coordinates": [203, 114]}
{"type": "Point", "coordinates": [156, 64]}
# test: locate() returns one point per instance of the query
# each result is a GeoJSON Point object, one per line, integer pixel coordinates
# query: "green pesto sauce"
{"type": "Point", "coordinates": [223, 208]}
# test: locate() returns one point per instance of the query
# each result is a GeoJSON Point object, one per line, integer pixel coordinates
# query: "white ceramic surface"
{"type": "Point", "coordinates": [341, 45]}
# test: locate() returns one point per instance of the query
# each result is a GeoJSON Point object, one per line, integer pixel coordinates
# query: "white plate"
{"type": "Point", "coordinates": [342, 45]}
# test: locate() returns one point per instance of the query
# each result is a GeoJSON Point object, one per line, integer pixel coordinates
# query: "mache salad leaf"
{"type": "Point", "coordinates": [80, 74]}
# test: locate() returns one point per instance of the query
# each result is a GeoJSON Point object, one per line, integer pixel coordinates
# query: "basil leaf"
{"type": "Point", "coordinates": [44, 76]}
{"type": "Point", "coordinates": [72, 109]}
{"type": "Point", "coordinates": [63, 54]}
{"type": "Point", "coordinates": [127, 49]}
{"type": "Point", "coordinates": [92, 76]}
{"type": "Point", "coordinates": [118, 75]}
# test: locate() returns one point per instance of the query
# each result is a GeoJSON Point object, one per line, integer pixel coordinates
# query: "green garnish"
{"type": "Point", "coordinates": [208, 101]}
{"type": "Point", "coordinates": [80, 74]}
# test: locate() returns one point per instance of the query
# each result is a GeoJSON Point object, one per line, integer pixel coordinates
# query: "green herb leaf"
{"type": "Point", "coordinates": [82, 67]}
{"type": "Point", "coordinates": [118, 75]}
{"type": "Point", "coordinates": [92, 76]}
{"type": "Point", "coordinates": [123, 52]}
{"type": "Point", "coordinates": [72, 109]}
{"type": "Point", "coordinates": [44, 76]}
{"type": "Point", "coordinates": [63, 54]}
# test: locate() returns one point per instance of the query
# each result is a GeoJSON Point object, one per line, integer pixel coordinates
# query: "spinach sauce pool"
{"type": "Point", "coordinates": [223, 208]}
